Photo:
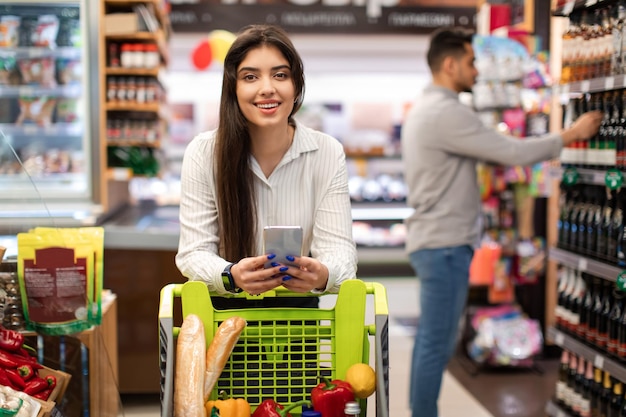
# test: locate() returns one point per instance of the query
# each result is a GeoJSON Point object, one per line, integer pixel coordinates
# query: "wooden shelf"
{"type": "Point", "coordinates": [145, 72]}
{"type": "Point", "coordinates": [161, 13]}
{"type": "Point", "coordinates": [154, 108]}
{"type": "Point", "coordinates": [594, 85]}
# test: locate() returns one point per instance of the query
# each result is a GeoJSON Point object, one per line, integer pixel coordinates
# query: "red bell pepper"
{"type": "Point", "coordinates": [10, 339]}
{"type": "Point", "coordinates": [35, 385]}
{"type": "Point", "coordinates": [43, 395]}
{"type": "Point", "coordinates": [330, 397]}
{"type": "Point", "coordinates": [26, 371]}
{"type": "Point", "coordinates": [270, 408]}
{"type": "Point", "coordinates": [4, 379]}
{"type": "Point", "coordinates": [51, 380]}
{"type": "Point", "coordinates": [15, 378]}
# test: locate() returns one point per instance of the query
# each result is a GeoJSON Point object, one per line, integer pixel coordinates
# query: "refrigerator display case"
{"type": "Point", "coordinates": [49, 158]}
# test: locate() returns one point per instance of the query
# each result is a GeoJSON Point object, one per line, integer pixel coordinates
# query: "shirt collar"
{"type": "Point", "coordinates": [303, 141]}
{"type": "Point", "coordinates": [432, 88]}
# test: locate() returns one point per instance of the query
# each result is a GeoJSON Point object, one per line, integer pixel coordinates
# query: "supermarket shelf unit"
{"type": "Point", "coordinates": [130, 127]}
{"type": "Point", "coordinates": [561, 256]}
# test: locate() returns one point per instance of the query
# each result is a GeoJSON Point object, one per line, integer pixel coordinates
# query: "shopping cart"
{"type": "Point", "coordinates": [283, 351]}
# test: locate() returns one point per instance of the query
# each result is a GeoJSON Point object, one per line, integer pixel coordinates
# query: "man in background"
{"type": "Point", "coordinates": [442, 141]}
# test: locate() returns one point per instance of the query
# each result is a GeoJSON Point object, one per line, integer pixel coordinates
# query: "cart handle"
{"type": "Point", "coordinates": [170, 291]}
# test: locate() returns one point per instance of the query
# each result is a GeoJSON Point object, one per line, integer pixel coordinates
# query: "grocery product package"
{"type": "Point", "coordinates": [60, 271]}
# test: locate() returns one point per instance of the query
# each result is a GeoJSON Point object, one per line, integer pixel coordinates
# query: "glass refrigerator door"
{"type": "Point", "coordinates": [45, 152]}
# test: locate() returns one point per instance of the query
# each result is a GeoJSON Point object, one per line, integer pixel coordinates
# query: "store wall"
{"type": "Point", "coordinates": [380, 72]}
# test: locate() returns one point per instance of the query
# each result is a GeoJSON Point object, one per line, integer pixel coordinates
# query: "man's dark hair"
{"type": "Point", "coordinates": [446, 42]}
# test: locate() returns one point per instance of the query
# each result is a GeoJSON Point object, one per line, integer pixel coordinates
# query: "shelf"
{"type": "Point", "coordinates": [382, 211]}
{"type": "Point", "coordinates": [154, 108]}
{"type": "Point", "coordinates": [595, 85]}
{"type": "Point", "coordinates": [146, 72]}
{"type": "Point", "coordinates": [553, 410]}
{"type": "Point", "coordinates": [137, 143]}
{"type": "Point", "coordinates": [57, 129]}
{"type": "Point", "coordinates": [587, 176]}
{"type": "Point", "coordinates": [161, 13]}
{"type": "Point", "coordinates": [585, 264]}
{"type": "Point", "coordinates": [390, 255]}
{"type": "Point", "coordinates": [599, 359]}
{"type": "Point", "coordinates": [41, 52]}
{"type": "Point", "coordinates": [157, 37]}
{"type": "Point", "coordinates": [64, 91]}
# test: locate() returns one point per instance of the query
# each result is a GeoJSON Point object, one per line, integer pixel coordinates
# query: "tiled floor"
{"type": "Point", "coordinates": [502, 394]}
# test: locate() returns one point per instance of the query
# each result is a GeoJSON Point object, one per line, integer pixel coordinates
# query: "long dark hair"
{"type": "Point", "coordinates": [236, 200]}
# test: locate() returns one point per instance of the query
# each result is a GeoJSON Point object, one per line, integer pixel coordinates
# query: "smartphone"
{"type": "Point", "coordinates": [282, 241]}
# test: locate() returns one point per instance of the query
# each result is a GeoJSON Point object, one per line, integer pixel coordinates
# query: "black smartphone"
{"type": "Point", "coordinates": [282, 241]}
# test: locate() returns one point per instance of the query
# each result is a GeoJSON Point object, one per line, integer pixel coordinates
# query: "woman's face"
{"type": "Point", "coordinates": [265, 90]}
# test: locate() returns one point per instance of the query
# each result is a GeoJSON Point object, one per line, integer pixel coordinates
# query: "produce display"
{"type": "Point", "coordinates": [198, 368]}
{"type": "Point", "coordinates": [19, 370]}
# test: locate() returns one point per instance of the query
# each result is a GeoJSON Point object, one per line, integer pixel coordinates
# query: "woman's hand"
{"type": "Point", "coordinates": [310, 275]}
{"type": "Point", "coordinates": [251, 276]}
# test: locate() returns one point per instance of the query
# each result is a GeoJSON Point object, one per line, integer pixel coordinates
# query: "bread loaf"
{"type": "Point", "coordinates": [219, 351]}
{"type": "Point", "coordinates": [190, 369]}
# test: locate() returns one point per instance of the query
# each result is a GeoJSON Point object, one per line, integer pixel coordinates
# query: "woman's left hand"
{"type": "Point", "coordinates": [311, 275]}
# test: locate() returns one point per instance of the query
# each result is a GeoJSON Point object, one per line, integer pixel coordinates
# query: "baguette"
{"type": "Point", "coordinates": [190, 369]}
{"type": "Point", "coordinates": [219, 351]}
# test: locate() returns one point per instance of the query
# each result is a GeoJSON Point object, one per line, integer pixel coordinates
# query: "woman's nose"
{"type": "Point", "coordinates": [267, 86]}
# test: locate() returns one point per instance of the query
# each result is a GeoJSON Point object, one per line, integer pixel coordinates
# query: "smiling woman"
{"type": "Point", "coordinates": [262, 168]}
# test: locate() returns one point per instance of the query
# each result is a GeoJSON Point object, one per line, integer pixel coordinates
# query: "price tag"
{"type": "Point", "coordinates": [609, 83]}
{"type": "Point", "coordinates": [570, 176]}
{"type": "Point", "coordinates": [582, 264]}
{"type": "Point", "coordinates": [613, 179]}
{"type": "Point", "coordinates": [598, 361]}
{"type": "Point", "coordinates": [584, 86]}
{"type": "Point", "coordinates": [620, 282]}
{"type": "Point", "coordinates": [559, 339]}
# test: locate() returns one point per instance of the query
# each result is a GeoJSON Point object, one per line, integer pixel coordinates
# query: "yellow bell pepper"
{"type": "Point", "coordinates": [229, 407]}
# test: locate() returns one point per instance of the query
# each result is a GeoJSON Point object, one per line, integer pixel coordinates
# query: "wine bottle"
{"type": "Point", "coordinates": [605, 395]}
{"type": "Point", "coordinates": [570, 393]}
{"type": "Point", "coordinates": [595, 210]}
{"type": "Point", "coordinates": [585, 404]}
{"type": "Point", "coordinates": [561, 384]}
{"type": "Point", "coordinates": [578, 386]}
{"type": "Point", "coordinates": [617, 311]}
{"type": "Point", "coordinates": [595, 391]}
{"type": "Point", "coordinates": [617, 398]}
{"type": "Point", "coordinates": [594, 315]}
{"type": "Point", "coordinates": [603, 319]}
{"type": "Point", "coordinates": [583, 326]}
{"type": "Point", "coordinates": [617, 223]}
{"type": "Point", "coordinates": [576, 302]}
{"type": "Point", "coordinates": [560, 305]}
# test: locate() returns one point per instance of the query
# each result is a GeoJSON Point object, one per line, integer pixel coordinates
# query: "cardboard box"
{"type": "Point", "coordinates": [121, 23]}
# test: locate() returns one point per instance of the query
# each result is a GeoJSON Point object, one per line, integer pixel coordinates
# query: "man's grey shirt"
{"type": "Point", "coordinates": [442, 141]}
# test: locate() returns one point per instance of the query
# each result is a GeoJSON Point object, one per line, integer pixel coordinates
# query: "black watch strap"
{"type": "Point", "coordinates": [228, 281]}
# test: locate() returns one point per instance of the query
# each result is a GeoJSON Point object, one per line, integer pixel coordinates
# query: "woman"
{"type": "Point", "coordinates": [259, 168]}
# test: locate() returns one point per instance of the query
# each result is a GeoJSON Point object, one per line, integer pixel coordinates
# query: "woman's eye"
{"type": "Point", "coordinates": [281, 75]}
{"type": "Point", "coordinates": [249, 77]}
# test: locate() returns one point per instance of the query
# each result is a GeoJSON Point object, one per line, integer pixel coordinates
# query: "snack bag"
{"type": "Point", "coordinates": [56, 275]}
{"type": "Point", "coordinates": [95, 236]}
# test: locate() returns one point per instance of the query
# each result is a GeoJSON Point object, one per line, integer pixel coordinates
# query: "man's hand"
{"type": "Point", "coordinates": [584, 128]}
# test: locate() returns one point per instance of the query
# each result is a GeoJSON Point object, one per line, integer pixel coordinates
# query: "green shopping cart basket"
{"type": "Point", "coordinates": [282, 351]}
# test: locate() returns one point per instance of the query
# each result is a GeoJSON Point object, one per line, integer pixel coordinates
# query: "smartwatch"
{"type": "Point", "coordinates": [228, 281]}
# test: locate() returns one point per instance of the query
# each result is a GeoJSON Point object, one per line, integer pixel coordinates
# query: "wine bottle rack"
{"type": "Point", "coordinates": [585, 264]}
{"type": "Point", "coordinates": [599, 359]}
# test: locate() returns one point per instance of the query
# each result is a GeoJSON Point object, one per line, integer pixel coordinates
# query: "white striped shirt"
{"type": "Point", "coordinates": [309, 188]}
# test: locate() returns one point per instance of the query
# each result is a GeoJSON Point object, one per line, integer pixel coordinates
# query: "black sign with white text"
{"type": "Point", "coordinates": [315, 16]}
